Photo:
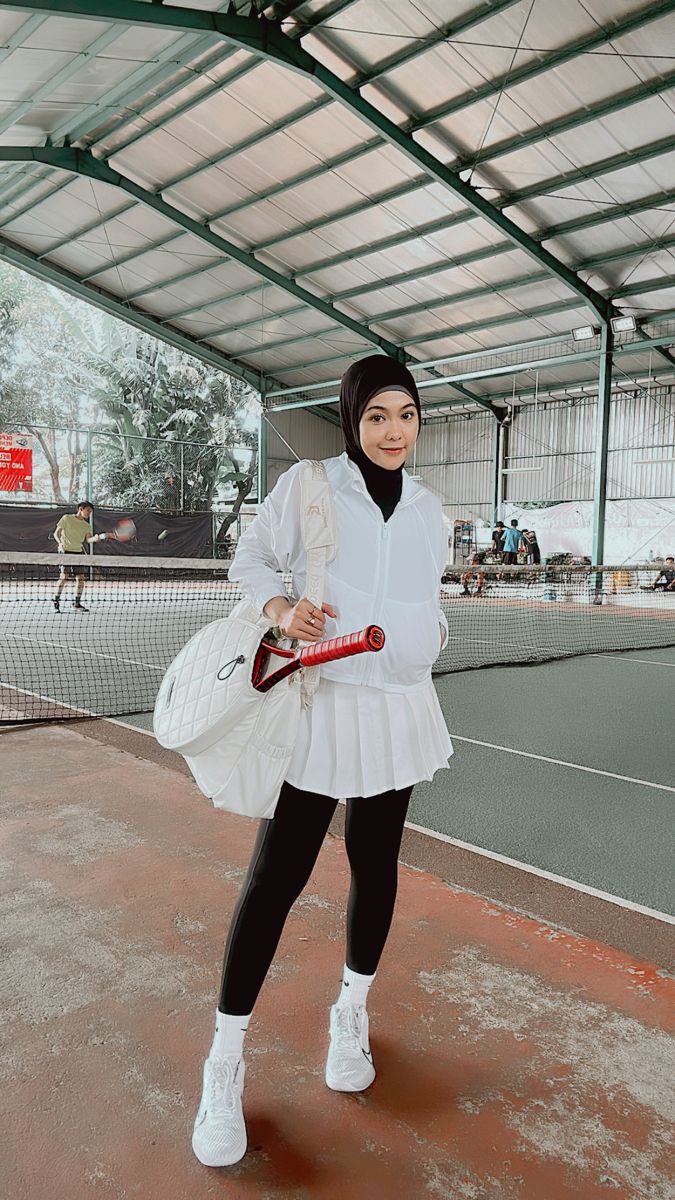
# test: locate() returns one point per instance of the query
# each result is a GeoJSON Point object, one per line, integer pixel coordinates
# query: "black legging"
{"type": "Point", "coordinates": [286, 849]}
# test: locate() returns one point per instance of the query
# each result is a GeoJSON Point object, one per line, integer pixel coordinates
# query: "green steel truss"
{"type": "Point", "coordinates": [631, 96]}
{"type": "Point", "coordinates": [266, 39]}
{"type": "Point", "coordinates": [82, 162]}
{"type": "Point", "coordinates": [297, 397]}
{"type": "Point", "coordinates": [608, 214]}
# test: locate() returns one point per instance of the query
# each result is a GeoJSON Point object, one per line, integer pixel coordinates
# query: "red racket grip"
{"type": "Point", "coordinates": [370, 638]}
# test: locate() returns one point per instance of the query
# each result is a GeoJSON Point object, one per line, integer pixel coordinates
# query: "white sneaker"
{"type": "Point", "coordinates": [349, 1067]}
{"type": "Point", "coordinates": [219, 1137]}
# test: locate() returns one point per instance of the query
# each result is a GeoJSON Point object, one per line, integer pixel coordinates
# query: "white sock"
{"type": "Point", "coordinates": [228, 1039]}
{"type": "Point", "coordinates": [354, 988]}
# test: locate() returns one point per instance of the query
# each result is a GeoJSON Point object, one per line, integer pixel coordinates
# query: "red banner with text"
{"type": "Point", "coordinates": [16, 462]}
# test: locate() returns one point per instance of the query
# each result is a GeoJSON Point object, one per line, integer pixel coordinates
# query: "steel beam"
{"type": "Point", "coordinates": [538, 66]}
{"type": "Point", "coordinates": [446, 33]}
{"type": "Point", "coordinates": [530, 364]}
{"type": "Point", "coordinates": [77, 234]}
{"type": "Point", "coordinates": [194, 101]}
{"type": "Point", "coordinates": [266, 39]}
{"type": "Point", "coordinates": [611, 213]}
{"type": "Point", "coordinates": [608, 214]}
{"type": "Point", "coordinates": [422, 272]}
{"type": "Point", "coordinates": [642, 286]}
{"type": "Point", "coordinates": [601, 444]}
{"type": "Point", "coordinates": [78, 60]}
{"type": "Point", "coordinates": [500, 451]}
{"type": "Point", "coordinates": [19, 257]}
{"type": "Point", "coordinates": [81, 162]}
{"type": "Point", "coordinates": [573, 120]}
{"type": "Point", "coordinates": [615, 162]}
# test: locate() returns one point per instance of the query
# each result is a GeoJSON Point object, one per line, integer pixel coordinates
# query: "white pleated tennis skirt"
{"type": "Point", "coordinates": [360, 741]}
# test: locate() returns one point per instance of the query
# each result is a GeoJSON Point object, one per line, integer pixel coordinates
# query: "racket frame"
{"type": "Point", "coordinates": [371, 639]}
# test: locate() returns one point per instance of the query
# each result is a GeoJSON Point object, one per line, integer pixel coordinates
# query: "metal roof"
{"type": "Point", "coordinates": [282, 191]}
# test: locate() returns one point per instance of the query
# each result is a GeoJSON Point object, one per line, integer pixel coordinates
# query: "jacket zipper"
{"type": "Point", "coordinates": [379, 595]}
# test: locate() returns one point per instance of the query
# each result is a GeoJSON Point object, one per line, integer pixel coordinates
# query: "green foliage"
{"type": "Point", "coordinates": [64, 364]}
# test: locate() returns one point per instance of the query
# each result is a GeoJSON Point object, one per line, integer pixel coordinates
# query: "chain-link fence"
{"type": "Point", "coordinates": [116, 470]}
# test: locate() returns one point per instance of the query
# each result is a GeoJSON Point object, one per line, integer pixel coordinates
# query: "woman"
{"type": "Point", "coordinates": [375, 727]}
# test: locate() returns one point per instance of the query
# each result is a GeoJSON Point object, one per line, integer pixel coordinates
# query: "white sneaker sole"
{"type": "Point", "coordinates": [218, 1161]}
{"type": "Point", "coordinates": [338, 1085]}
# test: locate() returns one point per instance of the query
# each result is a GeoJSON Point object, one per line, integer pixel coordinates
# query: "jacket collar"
{"type": "Point", "coordinates": [410, 489]}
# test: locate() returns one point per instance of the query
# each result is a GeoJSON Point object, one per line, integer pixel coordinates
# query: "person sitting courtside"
{"type": "Point", "coordinates": [665, 580]}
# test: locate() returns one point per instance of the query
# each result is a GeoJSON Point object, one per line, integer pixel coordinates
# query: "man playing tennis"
{"type": "Point", "coordinates": [72, 533]}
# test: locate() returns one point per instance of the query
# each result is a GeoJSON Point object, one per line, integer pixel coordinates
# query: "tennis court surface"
{"type": "Point", "coordinates": [110, 660]}
{"type": "Point", "coordinates": [522, 1023]}
{"type": "Point", "coordinates": [516, 1059]}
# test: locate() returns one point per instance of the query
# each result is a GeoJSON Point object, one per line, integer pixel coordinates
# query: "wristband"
{"type": "Point", "coordinates": [101, 537]}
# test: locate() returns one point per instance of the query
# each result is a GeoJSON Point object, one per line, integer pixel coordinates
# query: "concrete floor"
{"type": "Point", "coordinates": [516, 1061]}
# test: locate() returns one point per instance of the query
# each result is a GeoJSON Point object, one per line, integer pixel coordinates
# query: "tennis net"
{"type": "Point", "coordinates": [110, 660]}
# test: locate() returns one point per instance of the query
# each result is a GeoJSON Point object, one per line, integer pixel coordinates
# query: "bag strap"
{"type": "Point", "coordinates": [319, 537]}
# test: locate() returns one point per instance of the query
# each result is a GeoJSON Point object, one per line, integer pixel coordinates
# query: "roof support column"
{"type": "Point", "coordinates": [500, 450]}
{"type": "Point", "coordinates": [601, 445]}
{"type": "Point", "coordinates": [262, 452]}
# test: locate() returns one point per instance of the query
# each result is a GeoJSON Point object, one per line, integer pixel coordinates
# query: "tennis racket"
{"type": "Point", "coordinates": [124, 531]}
{"type": "Point", "coordinates": [370, 639]}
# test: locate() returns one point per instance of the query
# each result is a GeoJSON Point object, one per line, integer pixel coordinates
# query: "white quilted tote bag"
{"type": "Point", "coordinates": [237, 741]}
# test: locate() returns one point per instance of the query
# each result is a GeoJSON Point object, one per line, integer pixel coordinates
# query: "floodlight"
{"type": "Point", "coordinates": [623, 324]}
{"type": "Point", "coordinates": [585, 332]}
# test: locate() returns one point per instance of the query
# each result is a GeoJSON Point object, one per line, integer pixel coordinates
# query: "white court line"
{"type": "Point", "coordinates": [561, 762]}
{"type": "Point", "coordinates": [570, 883]}
{"type": "Point", "coordinates": [621, 901]}
{"type": "Point", "coordinates": [85, 712]}
{"type": "Point", "coordinates": [134, 662]}
{"type": "Point", "coordinates": [652, 662]}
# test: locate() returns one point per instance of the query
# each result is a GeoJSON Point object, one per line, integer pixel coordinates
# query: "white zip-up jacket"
{"type": "Point", "coordinates": [384, 572]}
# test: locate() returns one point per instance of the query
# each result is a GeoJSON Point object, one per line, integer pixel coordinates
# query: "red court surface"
{"type": "Point", "coordinates": [516, 1060]}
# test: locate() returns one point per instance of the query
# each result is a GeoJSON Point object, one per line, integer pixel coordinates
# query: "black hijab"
{"type": "Point", "coordinates": [362, 381]}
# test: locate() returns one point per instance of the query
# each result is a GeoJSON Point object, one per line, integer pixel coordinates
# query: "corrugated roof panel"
{"type": "Point", "coordinates": [197, 76]}
{"type": "Point", "coordinates": [56, 35]}
{"type": "Point", "coordinates": [269, 189]}
{"type": "Point", "coordinates": [290, 359]}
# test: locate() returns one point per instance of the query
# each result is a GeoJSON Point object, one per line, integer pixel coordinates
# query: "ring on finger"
{"type": "Point", "coordinates": [312, 621]}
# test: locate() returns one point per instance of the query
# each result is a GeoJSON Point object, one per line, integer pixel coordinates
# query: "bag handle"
{"type": "Point", "coordinates": [319, 536]}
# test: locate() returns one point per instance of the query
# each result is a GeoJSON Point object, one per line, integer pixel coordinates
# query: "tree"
{"type": "Point", "coordinates": [181, 426]}
{"type": "Point", "coordinates": [41, 383]}
{"type": "Point", "coordinates": [170, 432]}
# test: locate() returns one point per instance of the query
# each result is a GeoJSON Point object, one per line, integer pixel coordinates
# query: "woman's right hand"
{"type": "Point", "coordinates": [305, 621]}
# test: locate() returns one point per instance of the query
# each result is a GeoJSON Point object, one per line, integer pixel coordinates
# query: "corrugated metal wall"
{"type": "Point", "coordinates": [555, 443]}
{"type": "Point", "coordinates": [454, 455]}
{"type": "Point", "coordinates": [454, 459]}
{"type": "Point", "coordinates": [309, 435]}
{"type": "Point", "coordinates": [642, 427]}
{"type": "Point", "coordinates": [560, 438]}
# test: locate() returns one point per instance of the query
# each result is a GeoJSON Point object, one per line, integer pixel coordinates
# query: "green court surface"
{"type": "Point", "coordinates": [610, 714]}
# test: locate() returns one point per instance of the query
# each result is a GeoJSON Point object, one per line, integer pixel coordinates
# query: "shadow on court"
{"type": "Point", "coordinates": [515, 1060]}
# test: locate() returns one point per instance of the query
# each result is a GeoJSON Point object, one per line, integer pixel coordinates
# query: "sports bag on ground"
{"type": "Point", "coordinates": [236, 740]}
